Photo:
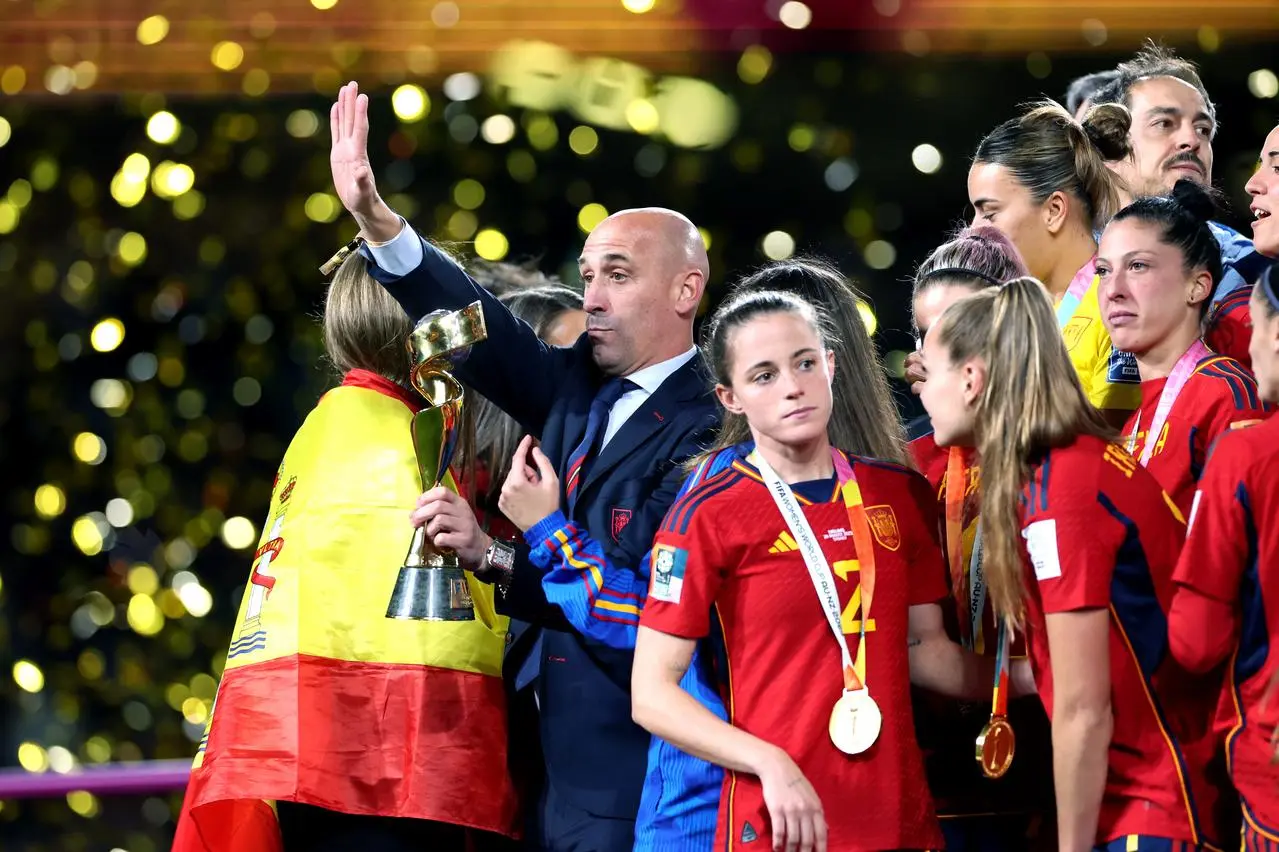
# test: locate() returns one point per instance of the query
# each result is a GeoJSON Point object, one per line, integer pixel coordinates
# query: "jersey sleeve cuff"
{"type": "Point", "coordinates": [542, 539]}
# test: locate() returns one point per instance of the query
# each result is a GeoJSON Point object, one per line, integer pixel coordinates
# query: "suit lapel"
{"type": "Point", "coordinates": [650, 418]}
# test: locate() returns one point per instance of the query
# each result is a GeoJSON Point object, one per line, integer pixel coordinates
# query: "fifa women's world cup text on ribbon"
{"type": "Point", "coordinates": [855, 720]}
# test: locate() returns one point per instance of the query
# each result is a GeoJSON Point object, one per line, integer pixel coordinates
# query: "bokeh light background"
{"type": "Point", "coordinates": [165, 203]}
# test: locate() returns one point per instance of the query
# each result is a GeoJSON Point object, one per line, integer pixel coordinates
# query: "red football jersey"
{"type": "Point", "coordinates": [1100, 534]}
{"type": "Point", "coordinates": [1230, 327]}
{"type": "Point", "coordinates": [947, 729]}
{"type": "Point", "coordinates": [1232, 556]}
{"type": "Point", "coordinates": [1221, 395]}
{"type": "Point", "coordinates": [929, 458]}
{"type": "Point", "coordinates": [725, 546]}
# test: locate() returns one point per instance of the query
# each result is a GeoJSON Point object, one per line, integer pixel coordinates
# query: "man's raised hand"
{"type": "Point", "coordinates": [352, 172]}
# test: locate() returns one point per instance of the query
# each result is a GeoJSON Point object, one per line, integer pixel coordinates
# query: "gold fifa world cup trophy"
{"type": "Point", "coordinates": [431, 585]}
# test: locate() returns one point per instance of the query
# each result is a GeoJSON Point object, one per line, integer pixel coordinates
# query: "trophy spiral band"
{"type": "Point", "coordinates": [431, 585]}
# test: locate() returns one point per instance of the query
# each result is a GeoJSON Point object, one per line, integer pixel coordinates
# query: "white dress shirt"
{"type": "Point", "coordinates": [647, 381]}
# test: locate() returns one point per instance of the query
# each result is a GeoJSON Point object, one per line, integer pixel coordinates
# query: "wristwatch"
{"type": "Point", "coordinates": [499, 565]}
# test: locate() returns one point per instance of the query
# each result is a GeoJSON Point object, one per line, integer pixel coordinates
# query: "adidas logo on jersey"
{"type": "Point", "coordinates": [748, 833]}
{"type": "Point", "coordinates": [785, 544]}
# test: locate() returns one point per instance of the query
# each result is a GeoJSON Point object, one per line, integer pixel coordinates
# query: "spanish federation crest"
{"type": "Point", "coordinates": [883, 525]}
{"type": "Point", "coordinates": [621, 517]}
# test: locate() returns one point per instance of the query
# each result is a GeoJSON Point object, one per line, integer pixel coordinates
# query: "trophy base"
{"type": "Point", "coordinates": [431, 594]}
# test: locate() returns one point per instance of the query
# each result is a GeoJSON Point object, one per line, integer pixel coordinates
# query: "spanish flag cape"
{"type": "Point", "coordinates": [324, 700]}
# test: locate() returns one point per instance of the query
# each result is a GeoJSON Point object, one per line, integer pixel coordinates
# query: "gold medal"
{"type": "Point", "coordinates": [996, 747]}
{"type": "Point", "coordinates": [855, 721]}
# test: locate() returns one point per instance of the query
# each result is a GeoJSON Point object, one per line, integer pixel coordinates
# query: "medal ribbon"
{"type": "Point", "coordinates": [1075, 292]}
{"type": "Point", "coordinates": [956, 490]}
{"type": "Point", "coordinates": [819, 569]}
{"type": "Point", "coordinates": [1181, 373]}
{"type": "Point", "coordinates": [969, 586]}
{"type": "Point", "coordinates": [999, 697]}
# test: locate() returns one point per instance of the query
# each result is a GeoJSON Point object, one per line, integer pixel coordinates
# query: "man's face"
{"type": "Point", "coordinates": [632, 294]}
{"type": "Point", "coordinates": [1171, 137]}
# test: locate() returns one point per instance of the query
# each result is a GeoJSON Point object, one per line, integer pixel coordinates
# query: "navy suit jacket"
{"type": "Point", "coordinates": [595, 754]}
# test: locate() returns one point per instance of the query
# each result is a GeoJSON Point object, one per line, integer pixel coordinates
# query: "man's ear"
{"type": "Point", "coordinates": [691, 289]}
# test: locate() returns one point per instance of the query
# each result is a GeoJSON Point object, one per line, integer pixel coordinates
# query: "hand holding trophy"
{"type": "Point", "coordinates": [432, 585]}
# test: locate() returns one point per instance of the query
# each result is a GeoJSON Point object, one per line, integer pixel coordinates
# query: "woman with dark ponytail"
{"type": "Point", "coordinates": [1227, 600]}
{"type": "Point", "coordinates": [1159, 266]}
{"type": "Point", "coordinates": [1079, 544]}
{"type": "Point", "coordinates": [1042, 179]}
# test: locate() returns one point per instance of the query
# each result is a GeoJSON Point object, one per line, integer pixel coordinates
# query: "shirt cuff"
{"type": "Point", "coordinates": [538, 534]}
{"type": "Point", "coordinates": [401, 254]}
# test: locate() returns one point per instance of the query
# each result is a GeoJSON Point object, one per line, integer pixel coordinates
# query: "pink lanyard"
{"type": "Point", "coordinates": [1181, 373]}
{"type": "Point", "coordinates": [1075, 292]}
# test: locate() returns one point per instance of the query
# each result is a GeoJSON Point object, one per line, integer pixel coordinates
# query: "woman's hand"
{"type": "Point", "coordinates": [451, 524]}
{"type": "Point", "coordinates": [793, 807]}
{"type": "Point", "coordinates": [915, 375]}
{"type": "Point", "coordinates": [531, 492]}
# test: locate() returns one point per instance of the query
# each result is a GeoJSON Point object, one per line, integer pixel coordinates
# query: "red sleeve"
{"type": "Point", "coordinates": [929, 582]}
{"type": "Point", "coordinates": [686, 571]}
{"type": "Point", "coordinates": [1230, 327]}
{"type": "Point", "coordinates": [1071, 539]}
{"type": "Point", "coordinates": [1201, 630]}
{"type": "Point", "coordinates": [1236, 404]}
{"type": "Point", "coordinates": [1203, 621]}
{"type": "Point", "coordinates": [1216, 550]}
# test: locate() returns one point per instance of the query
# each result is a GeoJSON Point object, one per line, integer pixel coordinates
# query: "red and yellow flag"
{"type": "Point", "coordinates": [324, 700]}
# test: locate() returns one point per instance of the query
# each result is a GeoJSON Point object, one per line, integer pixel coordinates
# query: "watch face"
{"type": "Point", "coordinates": [502, 555]}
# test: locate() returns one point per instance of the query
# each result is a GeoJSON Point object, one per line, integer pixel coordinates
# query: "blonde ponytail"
{"type": "Point", "coordinates": [1032, 402]}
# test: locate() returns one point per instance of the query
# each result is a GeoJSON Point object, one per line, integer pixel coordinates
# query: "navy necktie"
{"type": "Point", "coordinates": [596, 420]}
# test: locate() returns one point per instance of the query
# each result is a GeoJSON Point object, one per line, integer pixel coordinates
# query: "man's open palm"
{"type": "Point", "coordinates": [349, 157]}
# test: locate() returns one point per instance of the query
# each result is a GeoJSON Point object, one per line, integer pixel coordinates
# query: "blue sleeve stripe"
{"type": "Point", "coordinates": [1238, 385]}
{"type": "Point", "coordinates": [1236, 300]}
{"type": "Point", "coordinates": [681, 514]}
{"type": "Point", "coordinates": [1245, 379]}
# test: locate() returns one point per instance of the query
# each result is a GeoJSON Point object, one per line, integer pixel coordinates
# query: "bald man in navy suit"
{"type": "Point", "coordinates": [614, 417]}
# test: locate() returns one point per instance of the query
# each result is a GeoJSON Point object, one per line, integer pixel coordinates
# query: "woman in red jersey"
{"type": "Point", "coordinates": [1159, 266]}
{"type": "Point", "coordinates": [1089, 585]}
{"type": "Point", "coordinates": [1227, 585]}
{"type": "Point", "coordinates": [977, 812]}
{"type": "Point", "coordinates": [794, 544]}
